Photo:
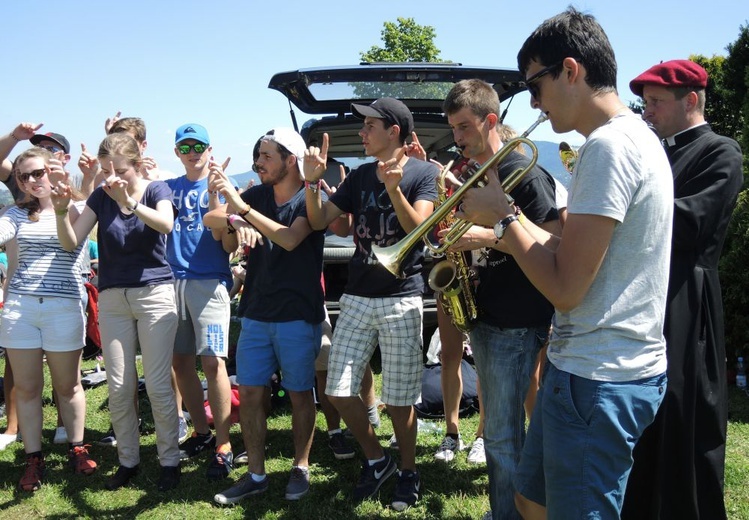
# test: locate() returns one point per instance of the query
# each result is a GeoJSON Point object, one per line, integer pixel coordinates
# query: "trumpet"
{"type": "Point", "coordinates": [391, 257]}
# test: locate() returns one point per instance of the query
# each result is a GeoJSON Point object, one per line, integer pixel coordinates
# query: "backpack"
{"type": "Point", "coordinates": [430, 404]}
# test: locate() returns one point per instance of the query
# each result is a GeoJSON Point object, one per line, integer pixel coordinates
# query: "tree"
{"type": "Point", "coordinates": [405, 42]}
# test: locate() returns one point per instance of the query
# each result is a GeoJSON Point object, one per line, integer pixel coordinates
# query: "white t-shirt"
{"type": "Point", "coordinates": [44, 267]}
{"type": "Point", "coordinates": [616, 333]}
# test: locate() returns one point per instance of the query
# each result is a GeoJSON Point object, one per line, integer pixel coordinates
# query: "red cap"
{"type": "Point", "coordinates": [674, 73]}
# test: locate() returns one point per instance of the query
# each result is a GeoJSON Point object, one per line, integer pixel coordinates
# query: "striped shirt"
{"type": "Point", "coordinates": [44, 267]}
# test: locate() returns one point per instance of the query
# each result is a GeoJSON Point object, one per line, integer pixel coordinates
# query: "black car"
{"type": "Point", "coordinates": [327, 94]}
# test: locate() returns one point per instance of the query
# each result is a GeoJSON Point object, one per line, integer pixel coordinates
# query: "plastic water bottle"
{"type": "Point", "coordinates": [741, 373]}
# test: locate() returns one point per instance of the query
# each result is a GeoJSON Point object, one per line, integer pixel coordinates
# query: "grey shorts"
{"type": "Point", "coordinates": [203, 311]}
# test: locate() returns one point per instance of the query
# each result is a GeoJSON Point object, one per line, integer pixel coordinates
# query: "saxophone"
{"type": "Point", "coordinates": [451, 279]}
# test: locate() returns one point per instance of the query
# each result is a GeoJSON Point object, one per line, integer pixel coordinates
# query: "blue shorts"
{"type": "Point", "coordinates": [578, 451]}
{"type": "Point", "coordinates": [265, 347]}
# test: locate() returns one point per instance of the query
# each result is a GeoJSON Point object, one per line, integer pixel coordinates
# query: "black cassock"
{"type": "Point", "coordinates": [679, 461]}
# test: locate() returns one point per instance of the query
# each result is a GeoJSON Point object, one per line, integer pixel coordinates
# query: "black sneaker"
{"type": "Point", "coordinates": [372, 478]}
{"type": "Point", "coordinates": [407, 490]}
{"type": "Point", "coordinates": [169, 478]}
{"type": "Point", "coordinates": [243, 488]}
{"type": "Point", "coordinates": [220, 465]}
{"type": "Point", "coordinates": [341, 448]}
{"type": "Point", "coordinates": [121, 477]}
{"type": "Point", "coordinates": [198, 443]}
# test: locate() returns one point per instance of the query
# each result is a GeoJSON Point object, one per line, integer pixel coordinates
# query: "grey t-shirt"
{"type": "Point", "coordinates": [616, 333]}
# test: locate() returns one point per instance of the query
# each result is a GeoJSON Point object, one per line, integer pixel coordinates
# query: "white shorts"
{"type": "Point", "coordinates": [51, 323]}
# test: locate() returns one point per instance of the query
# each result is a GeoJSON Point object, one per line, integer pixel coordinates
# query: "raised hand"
{"type": "Point", "coordinates": [415, 150]}
{"type": "Point", "coordinates": [316, 160]}
{"type": "Point", "coordinates": [116, 187]}
{"type": "Point", "coordinates": [26, 131]}
{"type": "Point", "coordinates": [61, 195]}
{"type": "Point", "coordinates": [391, 171]}
{"type": "Point", "coordinates": [56, 172]}
{"type": "Point", "coordinates": [88, 163]}
{"type": "Point", "coordinates": [109, 123]}
{"type": "Point", "coordinates": [219, 182]}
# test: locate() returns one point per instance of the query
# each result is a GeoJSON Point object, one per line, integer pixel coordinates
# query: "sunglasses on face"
{"type": "Point", "coordinates": [530, 82]}
{"type": "Point", "coordinates": [184, 149]}
{"type": "Point", "coordinates": [36, 174]}
{"type": "Point", "coordinates": [53, 149]}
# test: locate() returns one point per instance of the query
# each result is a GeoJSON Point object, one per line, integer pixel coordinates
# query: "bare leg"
{"type": "Point", "coordinates": [10, 399]}
{"type": "Point", "coordinates": [253, 417]}
{"type": "Point", "coordinates": [530, 397]}
{"type": "Point", "coordinates": [404, 424]}
{"type": "Point", "coordinates": [367, 391]}
{"type": "Point", "coordinates": [528, 509]}
{"type": "Point", "coordinates": [451, 377]}
{"type": "Point", "coordinates": [354, 412]}
{"type": "Point", "coordinates": [27, 368]}
{"type": "Point", "coordinates": [332, 417]}
{"type": "Point", "coordinates": [177, 394]}
{"type": "Point", "coordinates": [65, 369]}
{"type": "Point", "coordinates": [191, 390]}
{"type": "Point", "coordinates": [302, 425]}
{"type": "Point", "coordinates": [219, 396]}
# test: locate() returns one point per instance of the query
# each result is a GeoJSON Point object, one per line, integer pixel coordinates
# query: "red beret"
{"type": "Point", "coordinates": [674, 73]}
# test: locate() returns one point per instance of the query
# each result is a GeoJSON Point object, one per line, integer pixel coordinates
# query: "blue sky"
{"type": "Point", "coordinates": [72, 64]}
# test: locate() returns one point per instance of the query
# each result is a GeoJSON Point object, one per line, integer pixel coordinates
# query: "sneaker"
{"type": "Point", "coordinates": [220, 465]}
{"type": "Point", "coordinates": [477, 455]}
{"type": "Point", "coordinates": [394, 443]}
{"type": "Point", "coordinates": [244, 487]}
{"type": "Point", "coordinates": [108, 440]}
{"type": "Point", "coordinates": [6, 439]}
{"type": "Point", "coordinates": [372, 478]}
{"type": "Point", "coordinates": [298, 485]}
{"type": "Point", "coordinates": [80, 460]}
{"type": "Point", "coordinates": [121, 477]}
{"type": "Point", "coordinates": [198, 443]}
{"type": "Point", "coordinates": [407, 490]}
{"type": "Point", "coordinates": [32, 474]}
{"type": "Point", "coordinates": [448, 448]}
{"type": "Point", "coordinates": [341, 448]}
{"type": "Point", "coordinates": [241, 458]}
{"type": "Point", "coordinates": [169, 478]}
{"type": "Point", "coordinates": [61, 436]}
{"type": "Point", "coordinates": [183, 430]}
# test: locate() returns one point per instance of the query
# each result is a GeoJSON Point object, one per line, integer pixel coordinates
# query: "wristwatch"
{"type": "Point", "coordinates": [499, 227]}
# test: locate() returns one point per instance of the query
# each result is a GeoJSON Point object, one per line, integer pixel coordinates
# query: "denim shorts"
{"type": "Point", "coordinates": [265, 347]}
{"type": "Point", "coordinates": [50, 323]}
{"type": "Point", "coordinates": [578, 450]}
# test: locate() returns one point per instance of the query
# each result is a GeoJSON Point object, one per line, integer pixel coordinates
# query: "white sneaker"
{"type": "Point", "coordinates": [6, 439]}
{"type": "Point", "coordinates": [61, 436]}
{"type": "Point", "coordinates": [477, 455]}
{"type": "Point", "coordinates": [448, 448]}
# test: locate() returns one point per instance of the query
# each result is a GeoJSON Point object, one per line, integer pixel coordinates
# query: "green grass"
{"type": "Point", "coordinates": [455, 491]}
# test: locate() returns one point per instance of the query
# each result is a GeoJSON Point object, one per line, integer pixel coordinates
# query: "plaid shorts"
{"type": "Point", "coordinates": [393, 322]}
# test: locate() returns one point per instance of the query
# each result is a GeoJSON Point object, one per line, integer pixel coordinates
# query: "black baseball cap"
{"type": "Point", "coordinates": [390, 109]}
{"type": "Point", "coordinates": [51, 136]}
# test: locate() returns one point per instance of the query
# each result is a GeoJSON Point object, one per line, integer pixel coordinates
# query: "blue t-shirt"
{"type": "Point", "coordinates": [131, 253]}
{"type": "Point", "coordinates": [192, 251]}
{"type": "Point", "coordinates": [375, 222]}
{"type": "Point", "coordinates": [283, 285]}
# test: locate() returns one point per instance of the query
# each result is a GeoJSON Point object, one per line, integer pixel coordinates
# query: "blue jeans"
{"type": "Point", "coordinates": [504, 361]}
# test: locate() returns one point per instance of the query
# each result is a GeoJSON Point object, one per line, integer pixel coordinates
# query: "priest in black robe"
{"type": "Point", "coordinates": [679, 461]}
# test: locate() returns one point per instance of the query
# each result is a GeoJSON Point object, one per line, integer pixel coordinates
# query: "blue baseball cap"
{"type": "Point", "coordinates": [192, 131]}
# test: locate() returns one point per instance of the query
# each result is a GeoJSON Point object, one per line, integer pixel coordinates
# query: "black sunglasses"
{"type": "Point", "coordinates": [529, 83]}
{"type": "Point", "coordinates": [184, 149]}
{"type": "Point", "coordinates": [37, 174]}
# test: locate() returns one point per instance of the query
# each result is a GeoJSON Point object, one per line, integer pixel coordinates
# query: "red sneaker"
{"type": "Point", "coordinates": [80, 460]}
{"type": "Point", "coordinates": [32, 474]}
